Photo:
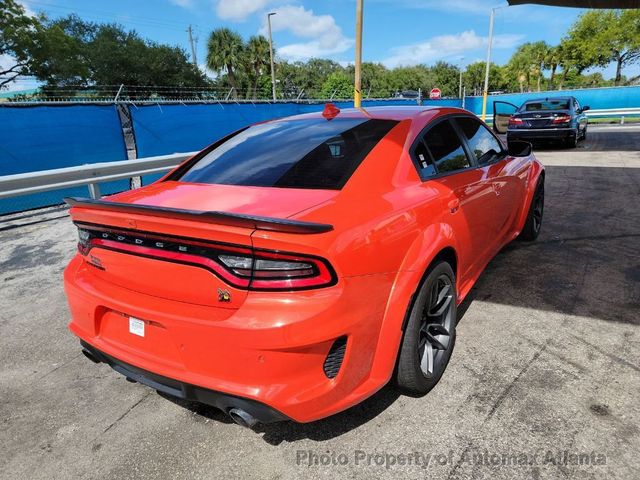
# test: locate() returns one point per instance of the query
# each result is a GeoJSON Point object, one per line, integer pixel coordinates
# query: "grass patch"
{"type": "Point", "coordinates": [603, 120]}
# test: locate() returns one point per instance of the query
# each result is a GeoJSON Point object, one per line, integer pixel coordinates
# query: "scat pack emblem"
{"type": "Point", "coordinates": [224, 295]}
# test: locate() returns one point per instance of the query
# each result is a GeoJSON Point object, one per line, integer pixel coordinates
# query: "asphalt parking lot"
{"type": "Point", "coordinates": [544, 381]}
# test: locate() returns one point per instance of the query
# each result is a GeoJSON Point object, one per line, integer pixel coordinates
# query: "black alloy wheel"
{"type": "Point", "coordinates": [533, 223]}
{"type": "Point", "coordinates": [430, 332]}
{"type": "Point", "coordinates": [436, 326]}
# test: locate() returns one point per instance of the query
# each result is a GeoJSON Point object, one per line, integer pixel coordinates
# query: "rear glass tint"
{"type": "Point", "coordinates": [313, 153]}
{"type": "Point", "coordinates": [546, 105]}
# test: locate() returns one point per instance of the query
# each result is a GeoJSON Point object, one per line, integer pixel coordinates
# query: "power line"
{"type": "Point", "coordinates": [101, 15]}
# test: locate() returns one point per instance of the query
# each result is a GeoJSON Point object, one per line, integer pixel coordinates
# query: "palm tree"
{"type": "Point", "coordinates": [257, 59]}
{"type": "Point", "coordinates": [520, 66]}
{"type": "Point", "coordinates": [539, 52]}
{"type": "Point", "coordinates": [552, 61]}
{"type": "Point", "coordinates": [225, 52]}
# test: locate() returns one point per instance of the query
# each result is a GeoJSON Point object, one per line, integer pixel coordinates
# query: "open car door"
{"type": "Point", "coordinates": [502, 112]}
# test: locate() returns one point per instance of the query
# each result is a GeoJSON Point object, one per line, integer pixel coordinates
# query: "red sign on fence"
{"type": "Point", "coordinates": [435, 93]}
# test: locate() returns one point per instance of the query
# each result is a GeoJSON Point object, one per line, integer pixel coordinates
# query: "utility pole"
{"type": "Point", "coordinates": [273, 71]}
{"type": "Point", "coordinates": [193, 47]}
{"type": "Point", "coordinates": [460, 85]}
{"type": "Point", "coordinates": [357, 93]}
{"type": "Point", "coordinates": [485, 92]}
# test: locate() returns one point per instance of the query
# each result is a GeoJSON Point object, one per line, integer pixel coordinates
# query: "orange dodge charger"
{"type": "Point", "coordinates": [295, 267]}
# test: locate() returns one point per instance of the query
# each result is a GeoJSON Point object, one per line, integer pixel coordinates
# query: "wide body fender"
{"type": "Point", "coordinates": [535, 172]}
{"type": "Point", "coordinates": [424, 249]}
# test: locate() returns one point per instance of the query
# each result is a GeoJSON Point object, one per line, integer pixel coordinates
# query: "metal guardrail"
{"type": "Point", "coordinates": [613, 112]}
{"type": "Point", "coordinates": [91, 175]}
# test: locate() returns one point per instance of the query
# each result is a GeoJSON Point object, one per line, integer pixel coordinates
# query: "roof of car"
{"type": "Point", "coordinates": [392, 112]}
{"type": "Point", "coordinates": [547, 99]}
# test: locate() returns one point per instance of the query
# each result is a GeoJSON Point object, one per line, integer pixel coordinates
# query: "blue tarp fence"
{"type": "Point", "coordinates": [596, 98]}
{"type": "Point", "coordinates": [44, 137]}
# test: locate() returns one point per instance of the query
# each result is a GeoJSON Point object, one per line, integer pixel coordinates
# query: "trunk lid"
{"type": "Point", "coordinates": [259, 201]}
{"type": "Point", "coordinates": [171, 255]}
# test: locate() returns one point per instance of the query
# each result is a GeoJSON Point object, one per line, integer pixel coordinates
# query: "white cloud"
{"type": "Point", "coordinates": [443, 46]}
{"type": "Point", "coordinates": [325, 36]}
{"type": "Point", "coordinates": [28, 10]}
{"type": "Point", "coordinates": [239, 10]}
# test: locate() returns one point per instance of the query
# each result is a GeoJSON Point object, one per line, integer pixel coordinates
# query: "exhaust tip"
{"type": "Point", "coordinates": [242, 418]}
{"type": "Point", "coordinates": [90, 356]}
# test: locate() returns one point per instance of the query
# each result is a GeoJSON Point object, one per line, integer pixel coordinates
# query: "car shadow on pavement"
{"type": "Point", "coordinates": [289, 431]}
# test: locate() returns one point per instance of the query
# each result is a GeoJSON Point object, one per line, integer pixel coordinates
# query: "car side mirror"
{"type": "Point", "coordinates": [519, 148]}
{"type": "Point", "coordinates": [585, 108]}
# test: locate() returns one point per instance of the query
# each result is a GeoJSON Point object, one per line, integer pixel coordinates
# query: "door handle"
{"type": "Point", "coordinates": [454, 205]}
{"type": "Point", "coordinates": [496, 188]}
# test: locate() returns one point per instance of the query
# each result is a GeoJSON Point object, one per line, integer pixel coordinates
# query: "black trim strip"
{"type": "Point", "coordinates": [186, 391]}
{"type": "Point", "coordinates": [221, 218]}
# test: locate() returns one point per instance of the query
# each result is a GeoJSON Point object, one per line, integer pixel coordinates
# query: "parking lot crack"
{"type": "Point", "coordinates": [615, 358]}
{"type": "Point", "coordinates": [512, 383]}
{"type": "Point", "coordinates": [126, 413]}
{"type": "Point", "coordinates": [60, 366]}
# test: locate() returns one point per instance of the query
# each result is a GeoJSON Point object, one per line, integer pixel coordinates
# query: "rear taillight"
{"type": "Point", "coordinates": [266, 270]}
{"type": "Point", "coordinates": [561, 119]}
{"type": "Point", "coordinates": [241, 267]}
{"type": "Point", "coordinates": [515, 121]}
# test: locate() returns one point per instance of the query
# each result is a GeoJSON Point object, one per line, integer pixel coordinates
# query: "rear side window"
{"type": "Point", "coordinates": [483, 144]}
{"type": "Point", "coordinates": [312, 153]}
{"type": "Point", "coordinates": [446, 148]}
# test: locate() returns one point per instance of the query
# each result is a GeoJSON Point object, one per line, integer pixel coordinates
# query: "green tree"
{"type": "Point", "coordinates": [226, 53]}
{"type": "Point", "coordinates": [473, 78]}
{"type": "Point", "coordinates": [600, 37]}
{"type": "Point", "coordinates": [539, 52]}
{"type": "Point", "coordinates": [337, 85]}
{"type": "Point", "coordinates": [60, 55]}
{"type": "Point", "coordinates": [524, 64]}
{"type": "Point", "coordinates": [552, 62]}
{"type": "Point", "coordinates": [74, 52]}
{"type": "Point", "coordinates": [419, 77]}
{"type": "Point", "coordinates": [375, 81]}
{"type": "Point", "coordinates": [446, 77]}
{"type": "Point", "coordinates": [19, 33]}
{"type": "Point", "coordinates": [257, 61]}
{"type": "Point", "coordinates": [305, 78]}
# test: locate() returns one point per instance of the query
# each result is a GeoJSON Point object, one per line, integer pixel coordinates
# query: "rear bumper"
{"type": "Point", "coordinates": [185, 391]}
{"type": "Point", "coordinates": [271, 350]}
{"type": "Point", "coordinates": [531, 134]}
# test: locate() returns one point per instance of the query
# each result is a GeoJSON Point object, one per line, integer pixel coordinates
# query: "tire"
{"type": "Point", "coordinates": [533, 224]}
{"type": "Point", "coordinates": [572, 141]}
{"type": "Point", "coordinates": [430, 333]}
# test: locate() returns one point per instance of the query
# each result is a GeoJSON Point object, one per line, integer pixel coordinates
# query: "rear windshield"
{"type": "Point", "coordinates": [313, 153]}
{"type": "Point", "coordinates": [546, 105]}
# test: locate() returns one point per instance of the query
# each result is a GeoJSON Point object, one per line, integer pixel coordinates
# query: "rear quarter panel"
{"type": "Point", "coordinates": [388, 224]}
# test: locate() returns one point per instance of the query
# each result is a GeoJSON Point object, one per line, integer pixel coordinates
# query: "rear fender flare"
{"type": "Point", "coordinates": [536, 173]}
{"type": "Point", "coordinates": [419, 256]}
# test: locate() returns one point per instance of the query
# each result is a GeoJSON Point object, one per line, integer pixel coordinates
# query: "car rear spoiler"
{"type": "Point", "coordinates": [220, 218]}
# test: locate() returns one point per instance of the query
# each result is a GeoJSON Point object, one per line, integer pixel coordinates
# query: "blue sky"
{"type": "Point", "coordinates": [396, 32]}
